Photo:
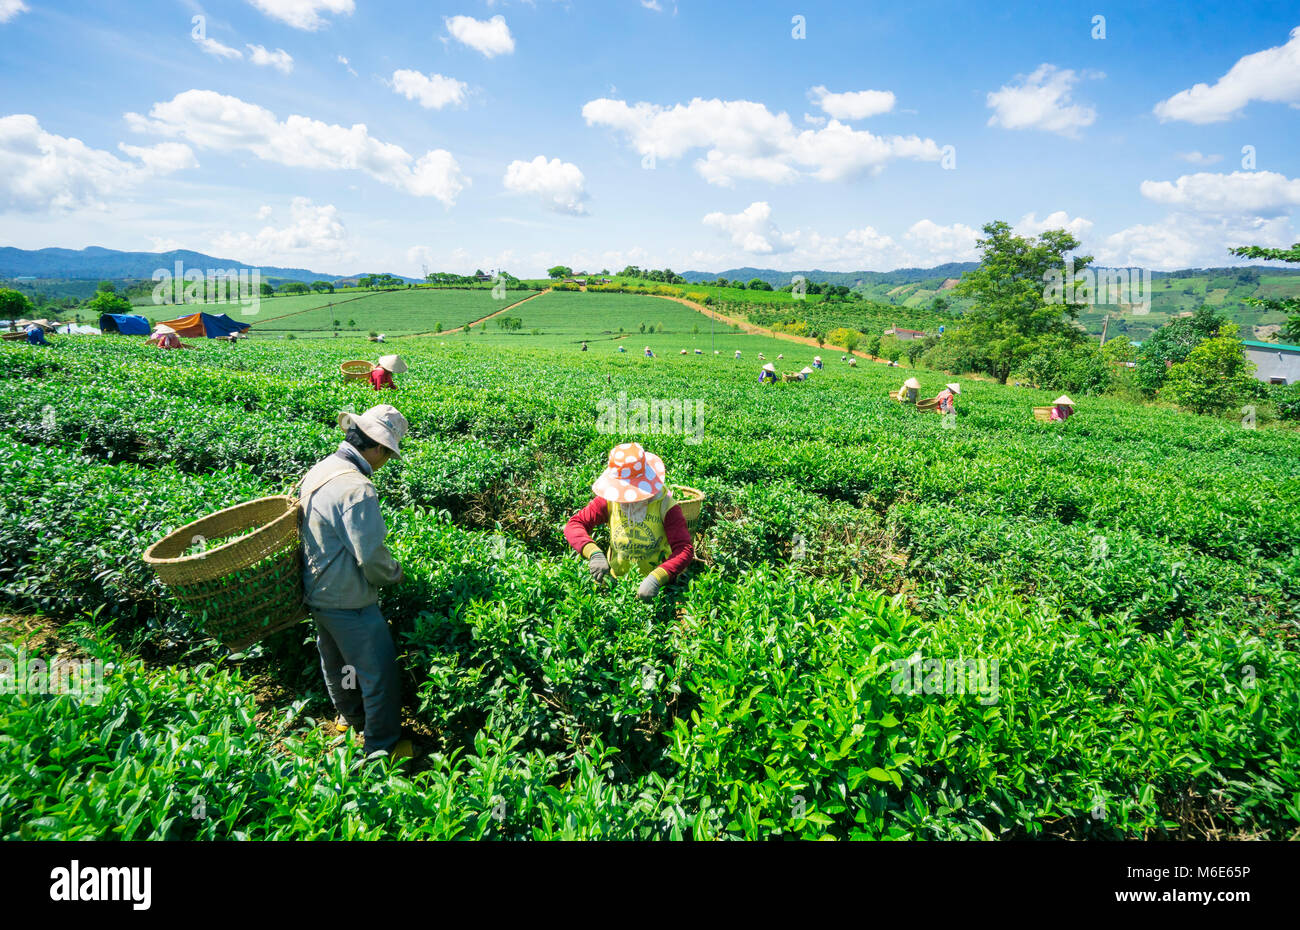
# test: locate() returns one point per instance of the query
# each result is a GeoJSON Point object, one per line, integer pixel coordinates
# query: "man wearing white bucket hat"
{"type": "Point", "coordinates": [768, 374]}
{"type": "Point", "coordinates": [381, 376]}
{"type": "Point", "coordinates": [1062, 408]}
{"type": "Point", "coordinates": [945, 397]}
{"type": "Point", "coordinates": [345, 561]}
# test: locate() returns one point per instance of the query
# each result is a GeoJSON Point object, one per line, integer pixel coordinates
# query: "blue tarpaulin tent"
{"type": "Point", "coordinates": [128, 324]}
{"type": "Point", "coordinates": [219, 325]}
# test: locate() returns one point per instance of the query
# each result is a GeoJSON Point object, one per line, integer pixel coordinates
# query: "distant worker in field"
{"type": "Point", "coordinates": [699, 351]}
{"type": "Point", "coordinates": [817, 362]}
{"type": "Point", "coordinates": [779, 357]}
{"type": "Point", "coordinates": [768, 373]}
{"type": "Point", "coordinates": [1062, 408]}
{"type": "Point", "coordinates": [167, 338]}
{"type": "Point", "coordinates": [683, 352]}
{"type": "Point", "coordinates": [381, 376]}
{"type": "Point", "coordinates": [648, 353]}
{"type": "Point", "coordinates": [36, 335]}
{"type": "Point", "coordinates": [947, 396]}
{"type": "Point", "coordinates": [381, 338]}
{"type": "Point", "coordinates": [853, 361]}
{"type": "Point", "coordinates": [647, 530]}
{"type": "Point", "coordinates": [621, 349]}
{"type": "Point", "coordinates": [345, 561]}
{"type": "Point", "coordinates": [737, 353]}
{"type": "Point", "coordinates": [584, 347]}
{"type": "Point", "coordinates": [762, 357]}
{"type": "Point", "coordinates": [910, 390]}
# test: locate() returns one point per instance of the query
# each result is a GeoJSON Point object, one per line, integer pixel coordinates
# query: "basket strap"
{"type": "Point", "coordinates": [326, 480]}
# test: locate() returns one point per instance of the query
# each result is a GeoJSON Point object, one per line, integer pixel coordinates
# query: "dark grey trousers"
{"type": "Point", "coordinates": [360, 667]}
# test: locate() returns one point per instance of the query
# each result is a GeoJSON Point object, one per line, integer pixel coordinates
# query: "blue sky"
{"type": "Point", "coordinates": [351, 135]}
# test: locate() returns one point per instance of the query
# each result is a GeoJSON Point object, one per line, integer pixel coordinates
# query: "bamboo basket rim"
{"type": "Point", "coordinates": [151, 559]}
{"type": "Point", "coordinates": [696, 494]}
{"type": "Point", "coordinates": [370, 366]}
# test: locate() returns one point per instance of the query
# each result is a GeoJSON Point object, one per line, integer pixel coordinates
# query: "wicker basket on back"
{"type": "Point", "coordinates": [249, 584]}
{"type": "Point", "coordinates": [356, 371]}
{"type": "Point", "coordinates": [690, 500]}
{"type": "Point", "coordinates": [1043, 414]}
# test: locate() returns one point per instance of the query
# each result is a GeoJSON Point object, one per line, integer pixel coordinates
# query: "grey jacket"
{"type": "Point", "coordinates": [343, 552]}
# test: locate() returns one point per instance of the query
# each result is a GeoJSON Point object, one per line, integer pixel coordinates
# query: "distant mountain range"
{"type": "Point", "coordinates": [850, 278]}
{"type": "Point", "coordinates": [95, 263]}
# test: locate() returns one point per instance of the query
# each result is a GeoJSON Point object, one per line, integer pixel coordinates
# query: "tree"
{"type": "Point", "coordinates": [322, 287]}
{"type": "Point", "coordinates": [560, 271]}
{"type": "Point", "coordinates": [1288, 305]}
{"type": "Point", "coordinates": [14, 305]}
{"type": "Point", "coordinates": [105, 302]}
{"type": "Point", "coordinates": [107, 287]}
{"type": "Point", "coordinates": [758, 284]}
{"type": "Point", "coordinates": [1215, 377]}
{"type": "Point", "coordinates": [1014, 307]}
{"type": "Point", "coordinates": [352, 324]}
{"type": "Point", "coordinates": [844, 337]}
{"type": "Point", "coordinates": [267, 289]}
{"type": "Point", "coordinates": [1171, 344]}
{"type": "Point", "coordinates": [437, 327]}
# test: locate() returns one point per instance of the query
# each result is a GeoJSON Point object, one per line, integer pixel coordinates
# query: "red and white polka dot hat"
{"type": "Point", "coordinates": [633, 475]}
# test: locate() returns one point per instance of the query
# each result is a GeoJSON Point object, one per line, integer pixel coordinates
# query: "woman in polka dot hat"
{"type": "Point", "coordinates": [647, 530]}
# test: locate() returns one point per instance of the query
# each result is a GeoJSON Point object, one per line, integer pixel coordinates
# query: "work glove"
{"type": "Point", "coordinates": [649, 588]}
{"type": "Point", "coordinates": [598, 566]}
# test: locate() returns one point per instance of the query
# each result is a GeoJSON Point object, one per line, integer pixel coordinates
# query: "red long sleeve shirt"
{"type": "Point", "coordinates": [580, 526]}
{"type": "Point", "coordinates": [380, 378]}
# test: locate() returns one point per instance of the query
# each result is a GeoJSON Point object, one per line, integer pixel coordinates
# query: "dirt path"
{"type": "Point", "coordinates": [476, 322]}
{"type": "Point", "coordinates": [747, 327]}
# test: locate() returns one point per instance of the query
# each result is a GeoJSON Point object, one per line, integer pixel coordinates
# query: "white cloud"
{"type": "Point", "coordinates": [1196, 158]}
{"type": "Point", "coordinates": [858, 104]}
{"type": "Point", "coordinates": [215, 48]}
{"type": "Point", "coordinates": [433, 91]}
{"type": "Point", "coordinates": [652, 5]}
{"type": "Point", "coordinates": [745, 140]}
{"type": "Point", "coordinates": [314, 230]}
{"type": "Point", "coordinates": [11, 8]}
{"type": "Point", "coordinates": [41, 171]}
{"type": "Point", "coordinates": [1041, 100]}
{"type": "Point", "coordinates": [345, 63]}
{"type": "Point", "coordinates": [303, 14]}
{"type": "Point", "coordinates": [211, 120]}
{"type": "Point", "coordinates": [264, 212]}
{"type": "Point", "coordinates": [936, 244]}
{"type": "Point", "coordinates": [491, 37]}
{"type": "Point", "coordinates": [1030, 225]}
{"type": "Point", "coordinates": [560, 184]}
{"type": "Point", "coordinates": [1183, 240]}
{"type": "Point", "coordinates": [1272, 76]}
{"type": "Point", "coordinates": [164, 244]}
{"type": "Point", "coordinates": [1254, 193]}
{"type": "Point", "coordinates": [752, 230]}
{"type": "Point", "coordinates": [280, 60]}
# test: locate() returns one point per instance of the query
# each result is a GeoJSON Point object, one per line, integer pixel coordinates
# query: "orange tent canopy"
{"type": "Point", "coordinates": [191, 325]}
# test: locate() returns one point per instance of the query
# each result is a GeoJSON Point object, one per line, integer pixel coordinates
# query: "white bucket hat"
{"type": "Point", "coordinates": [392, 363]}
{"type": "Point", "coordinates": [1063, 401]}
{"type": "Point", "coordinates": [955, 388]}
{"type": "Point", "coordinates": [382, 423]}
{"type": "Point", "coordinates": [770, 367]}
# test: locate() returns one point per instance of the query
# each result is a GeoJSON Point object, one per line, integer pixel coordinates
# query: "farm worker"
{"type": "Point", "coordinates": [167, 338]}
{"type": "Point", "coordinates": [853, 362]}
{"type": "Point", "coordinates": [584, 347]}
{"type": "Point", "coordinates": [804, 373]}
{"type": "Point", "coordinates": [844, 358]}
{"type": "Point", "coordinates": [683, 352]}
{"type": "Point", "coordinates": [737, 353]}
{"type": "Point", "coordinates": [648, 353]}
{"type": "Point", "coordinates": [621, 349]}
{"type": "Point", "coordinates": [762, 357]}
{"type": "Point", "coordinates": [380, 338]}
{"type": "Point", "coordinates": [945, 397]}
{"type": "Point", "coordinates": [647, 531]}
{"type": "Point", "coordinates": [36, 335]}
{"type": "Point", "coordinates": [699, 351]}
{"type": "Point", "coordinates": [779, 357]}
{"type": "Point", "coordinates": [908, 392]}
{"type": "Point", "coordinates": [817, 361]}
{"type": "Point", "coordinates": [381, 376]}
{"type": "Point", "coordinates": [1062, 408]}
{"type": "Point", "coordinates": [767, 374]}
{"type": "Point", "coordinates": [344, 562]}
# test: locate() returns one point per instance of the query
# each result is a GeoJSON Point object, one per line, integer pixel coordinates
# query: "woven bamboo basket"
{"type": "Point", "coordinates": [1043, 414]}
{"type": "Point", "coordinates": [790, 376]}
{"type": "Point", "coordinates": [690, 500]}
{"type": "Point", "coordinates": [930, 403]}
{"type": "Point", "coordinates": [14, 337]}
{"type": "Point", "coordinates": [246, 587]}
{"type": "Point", "coordinates": [357, 370]}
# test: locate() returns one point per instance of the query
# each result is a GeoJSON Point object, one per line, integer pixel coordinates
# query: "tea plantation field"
{"type": "Point", "coordinates": [1126, 583]}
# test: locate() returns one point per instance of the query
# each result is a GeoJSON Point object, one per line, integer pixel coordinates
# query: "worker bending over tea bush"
{"type": "Point", "coordinates": [647, 530]}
